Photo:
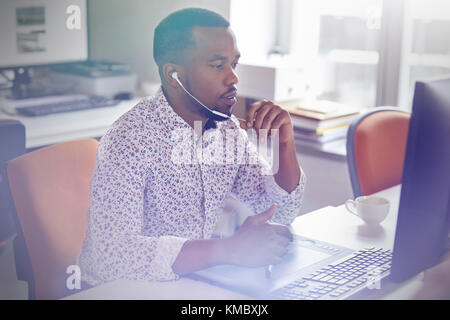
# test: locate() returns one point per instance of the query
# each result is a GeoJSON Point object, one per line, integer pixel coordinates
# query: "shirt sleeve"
{"type": "Point", "coordinates": [255, 185]}
{"type": "Point", "coordinates": [115, 246]}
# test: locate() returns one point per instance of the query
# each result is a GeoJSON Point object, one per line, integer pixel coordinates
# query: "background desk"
{"type": "Point", "coordinates": [54, 128]}
{"type": "Point", "coordinates": [328, 180]}
{"type": "Point", "coordinates": [331, 224]}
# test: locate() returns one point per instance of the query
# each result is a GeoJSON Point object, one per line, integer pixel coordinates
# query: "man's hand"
{"type": "Point", "coordinates": [267, 115]}
{"type": "Point", "coordinates": [258, 242]}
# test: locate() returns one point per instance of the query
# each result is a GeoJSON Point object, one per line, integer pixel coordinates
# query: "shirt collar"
{"type": "Point", "coordinates": [169, 117]}
{"type": "Point", "coordinates": [166, 113]}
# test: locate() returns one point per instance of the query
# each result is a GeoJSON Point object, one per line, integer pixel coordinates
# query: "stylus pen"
{"type": "Point", "coordinates": [269, 271]}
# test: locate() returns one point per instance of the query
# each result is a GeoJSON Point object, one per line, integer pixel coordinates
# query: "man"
{"type": "Point", "coordinates": [151, 217]}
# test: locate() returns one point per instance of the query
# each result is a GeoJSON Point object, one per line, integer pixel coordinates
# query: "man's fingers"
{"type": "Point", "coordinates": [264, 116]}
{"type": "Point", "coordinates": [282, 250]}
{"type": "Point", "coordinates": [265, 215]}
{"type": "Point", "coordinates": [277, 254]}
{"type": "Point", "coordinates": [243, 124]}
{"type": "Point", "coordinates": [281, 241]}
{"type": "Point", "coordinates": [279, 120]}
{"type": "Point", "coordinates": [284, 232]}
{"type": "Point", "coordinates": [252, 109]}
{"type": "Point", "coordinates": [261, 114]}
{"type": "Point", "coordinates": [268, 119]}
{"type": "Point", "coordinates": [267, 125]}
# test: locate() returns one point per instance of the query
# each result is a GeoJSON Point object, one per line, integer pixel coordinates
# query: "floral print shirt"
{"type": "Point", "coordinates": [158, 183]}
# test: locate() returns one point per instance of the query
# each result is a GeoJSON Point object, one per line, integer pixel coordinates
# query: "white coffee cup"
{"type": "Point", "coordinates": [372, 210]}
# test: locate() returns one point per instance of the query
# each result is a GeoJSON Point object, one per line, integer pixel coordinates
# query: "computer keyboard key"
{"type": "Point", "coordinates": [335, 294]}
{"type": "Point", "coordinates": [319, 277]}
{"type": "Point", "coordinates": [333, 280]}
{"type": "Point", "coordinates": [333, 286]}
{"type": "Point", "coordinates": [327, 278]}
{"type": "Point", "coordinates": [342, 281]}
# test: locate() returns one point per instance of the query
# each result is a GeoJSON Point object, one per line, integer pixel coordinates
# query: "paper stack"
{"type": "Point", "coordinates": [321, 122]}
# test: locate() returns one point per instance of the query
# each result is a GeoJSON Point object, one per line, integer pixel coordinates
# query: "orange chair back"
{"type": "Point", "coordinates": [376, 145]}
{"type": "Point", "coordinates": [50, 189]}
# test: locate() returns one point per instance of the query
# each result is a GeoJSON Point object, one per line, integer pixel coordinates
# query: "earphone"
{"type": "Point", "coordinates": [215, 115]}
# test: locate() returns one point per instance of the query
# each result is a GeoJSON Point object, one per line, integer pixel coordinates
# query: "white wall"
{"type": "Point", "coordinates": [122, 30]}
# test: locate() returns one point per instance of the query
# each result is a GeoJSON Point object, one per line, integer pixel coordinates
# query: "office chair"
{"type": "Point", "coordinates": [50, 190]}
{"type": "Point", "coordinates": [376, 144]}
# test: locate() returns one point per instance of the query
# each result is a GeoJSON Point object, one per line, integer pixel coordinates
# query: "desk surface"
{"type": "Point", "coordinates": [335, 150]}
{"type": "Point", "coordinates": [182, 289]}
{"type": "Point", "coordinates": [66, 126]}
{"type": "Point", "coordinates": [331, 224]}
{"type": "Point", "coordinates": [336, 225]}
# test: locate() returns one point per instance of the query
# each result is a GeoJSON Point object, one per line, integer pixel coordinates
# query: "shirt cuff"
{"type": "Point", "coordinates": [276, 192]}
{"type": "Point", "coordinates": [166, 252]}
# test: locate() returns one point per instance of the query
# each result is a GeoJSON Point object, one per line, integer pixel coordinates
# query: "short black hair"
{"type": "Point", "coordinates": [173, 35]}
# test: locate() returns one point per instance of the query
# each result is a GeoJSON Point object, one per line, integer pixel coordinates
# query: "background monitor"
{"type": "Point", "coordinates": [424, 210]}
{"type": "Point", "coordinates": [43, 32]}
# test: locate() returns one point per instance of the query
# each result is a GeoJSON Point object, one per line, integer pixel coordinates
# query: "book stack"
{"type": "Point", "coordinates": [321, 123]}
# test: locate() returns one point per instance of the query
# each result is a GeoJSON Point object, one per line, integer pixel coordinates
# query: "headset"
{"type": "Point", "coordinates": [215, 115]}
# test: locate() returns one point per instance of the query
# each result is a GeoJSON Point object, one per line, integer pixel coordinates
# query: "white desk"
{"type": "Point", "coordinates": [336, 225]}
{"type": "Point", "coordinates": [331, 224]}
{"type": "Point", "coordinates": [54, 128]}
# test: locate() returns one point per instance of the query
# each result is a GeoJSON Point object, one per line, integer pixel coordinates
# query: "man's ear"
{"type": "Point", "coordinates": [167, 72]}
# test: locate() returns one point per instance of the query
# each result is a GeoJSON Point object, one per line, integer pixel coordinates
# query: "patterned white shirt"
{"type": "Point", "coordinates": [152, 190]}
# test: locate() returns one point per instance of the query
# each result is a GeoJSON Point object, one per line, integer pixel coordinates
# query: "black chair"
{"type": "Point", "coordinates": [12, 145]}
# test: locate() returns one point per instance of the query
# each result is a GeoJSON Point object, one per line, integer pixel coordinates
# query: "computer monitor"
{"type": "Point", "coordinates": [44, 32]}
{"type": "Point", "coordinates": [424, 210]}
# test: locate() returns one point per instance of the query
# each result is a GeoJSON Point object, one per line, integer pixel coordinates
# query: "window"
{"type": "Point", "coordinates": [360, 52]}
{"type": "Point", "coordinates": [426, 44]}
{"type": "Point", "coordinates": [343, 48]}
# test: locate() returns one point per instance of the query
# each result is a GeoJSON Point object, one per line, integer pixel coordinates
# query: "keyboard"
{"type": "Point", "coordinates": [82, 103]}
{"type": "Point", "coordinates": [364, 268]}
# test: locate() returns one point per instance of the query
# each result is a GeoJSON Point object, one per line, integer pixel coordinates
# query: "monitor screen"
{"type": "Point", "coordinates": [42, 32]}
{"type": "Point", "coordinates": [423, 217]}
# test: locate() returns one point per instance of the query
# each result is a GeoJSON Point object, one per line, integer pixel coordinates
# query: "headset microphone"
{"type": "Point", "coordinates": [215, 115]}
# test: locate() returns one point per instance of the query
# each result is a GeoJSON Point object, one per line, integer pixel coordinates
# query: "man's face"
{"type": "Point", "coordinates": [210, 69]}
